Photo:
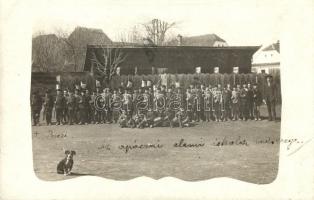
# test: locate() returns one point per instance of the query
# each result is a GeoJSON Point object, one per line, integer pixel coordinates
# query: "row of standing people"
{"type": "Point", "coordinates": [211, 103]}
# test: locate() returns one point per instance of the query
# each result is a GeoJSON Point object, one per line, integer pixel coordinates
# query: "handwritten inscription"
{"type": "Point", "coordinates": [225, 141]}
{"type": "Point", "coordinates": [182, 143]}
{"type": "Point", "coordinates": [289, 142]}
{"type": "Point", "coordinates": [218, 142]}
{"type": "Point", "coordinates": [126, 148]}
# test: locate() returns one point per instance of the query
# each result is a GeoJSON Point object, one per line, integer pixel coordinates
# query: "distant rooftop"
{"type": "Point", "coordinates": [274, 46]}
{"type": "Point", "coordinates": [200, 40]}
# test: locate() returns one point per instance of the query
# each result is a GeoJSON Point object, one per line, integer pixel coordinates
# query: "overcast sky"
{"type": "Point", "coordinates": [239, 22]}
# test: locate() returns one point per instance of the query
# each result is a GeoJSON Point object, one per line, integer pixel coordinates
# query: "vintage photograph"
{"type": "Point", "coordinates": [156, 98]}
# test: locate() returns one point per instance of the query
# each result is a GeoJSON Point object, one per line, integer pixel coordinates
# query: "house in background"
{"type": "Point", "coordinates": [208, 40]}
{"type": "Point", "coordinates": [267, 59]}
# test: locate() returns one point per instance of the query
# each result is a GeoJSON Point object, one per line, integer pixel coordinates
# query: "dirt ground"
{"type": "Point", "coordinates": [246, 151]}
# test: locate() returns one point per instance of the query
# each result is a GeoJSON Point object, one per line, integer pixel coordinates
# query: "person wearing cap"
{"type": "Point", "coordinates": [189, 103]}
{"type": "Point", "coordinates": [243, 103]}
{"type": "Point", "coordinates": [207, 96]}
{"type": "Point", "coordinates": [257, 101]}
{"type": "Point", "coordinates": [270, 97]}
{"type": "Point", "coordinates": [116, 105]}
{"type": "Point", "coordinates": [235, 104]}
{"type": "Point", "coordinates": [196, 109]}
{"type": "Point", "coordinates": [71, 106]}
{"type": "Point", "coordinates": [123, 119]}
{"type": "Point", "coordinates": [88, 107]}
{"type": "Point", "coordinates": [59, 106]}
{"type": "Point", "coordinates": [82, 102]}
{"type": "Point", "coordinates": [65, 109]}
{"type": "Point", "coordinates": [48, 107]}
{"type": "Point", "coordinates": [36, 105]}
{"type": "Point", "coordinates": [226, 95]}
{"type": "Point", "coordinates": [99, 103]}
{"type": "Point", "coordinates": [106, 95]}
{"type": "Point", "coordinates": [217, 102]}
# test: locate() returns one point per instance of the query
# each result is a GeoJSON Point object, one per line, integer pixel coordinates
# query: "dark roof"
{"type": "Point", "coordinates": [90, 36]}
{"type": "Point", "coordinates": [200, 40]}
{"type": "Point", "coordinates": [127, 44]}
{"type": "Point", "coordinates": [255, 48]}
{"type": "Point", "coordinates": [274, 46]}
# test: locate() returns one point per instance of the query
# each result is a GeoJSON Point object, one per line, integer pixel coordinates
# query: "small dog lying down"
{"type": "Point", "coordinates": [66, 164]}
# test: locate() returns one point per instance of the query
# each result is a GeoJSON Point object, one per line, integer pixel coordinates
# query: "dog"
{"type": "Point", "coordinates": [66, 164]}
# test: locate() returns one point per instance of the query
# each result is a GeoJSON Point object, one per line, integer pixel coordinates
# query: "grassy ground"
{"type": "Point", "coordinates": [98, 153]}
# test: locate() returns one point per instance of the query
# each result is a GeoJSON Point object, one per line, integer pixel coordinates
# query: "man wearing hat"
{"type": "Point", "coordinates": [257, 101]}
{"type": "Point", "coordinates": [71, 105]}
{"type": "Point", "coordinates": [48, 106]}
{"type": "Point", "coordinates": [36, 104]}
{"type": "Point", "coordinates": [270, 97]}
{"type": "Point", "coordinates": [59, 106]}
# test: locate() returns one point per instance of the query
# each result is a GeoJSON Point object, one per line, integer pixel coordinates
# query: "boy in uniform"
{"type": "Point", "coordinates": [207, 104]}
{"type": "Point", "coordinates": [235, 104]}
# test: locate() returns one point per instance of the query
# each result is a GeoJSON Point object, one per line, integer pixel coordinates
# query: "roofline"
{"type": "Point", "coordinates": [198, 47]}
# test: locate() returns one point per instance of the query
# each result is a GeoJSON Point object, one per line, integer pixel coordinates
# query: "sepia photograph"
{"type": "Point", "coordinates": [155, 101]}
{"type": "Point", "coordinates": [181, 99]}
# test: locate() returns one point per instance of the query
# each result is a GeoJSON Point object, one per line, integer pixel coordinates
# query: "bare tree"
{"type": "Point", "coordinates": [157, 29]}
{"type": "Point", "coordinates": [47, 52]}
{"type": "Point", "coordinates": [77, 43]}
{"type": "Point", "coordinates": [132, 36]}
{"type": "Point", "coordinates": [113, 58]}
{"type": "Point", "coordinates": [70, 51]}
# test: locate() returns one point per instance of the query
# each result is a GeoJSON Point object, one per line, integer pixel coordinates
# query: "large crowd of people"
{"type": "Point", "coordinates": [154, 105]}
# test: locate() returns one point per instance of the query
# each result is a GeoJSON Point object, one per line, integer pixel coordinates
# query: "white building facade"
{"type": "Point", "coordinates": [267, 59]}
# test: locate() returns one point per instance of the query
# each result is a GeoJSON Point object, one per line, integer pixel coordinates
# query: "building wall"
{"type": "Point", "coordinates": [266, 57]}
{"type": "Point", "coordinates": [268, 69]}
{"type": "Point", "coordinates": [179, 59]}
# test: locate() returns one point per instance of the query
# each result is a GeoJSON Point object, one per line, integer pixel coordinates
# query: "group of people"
{"type": "Point", "coordinates": [156, 106]}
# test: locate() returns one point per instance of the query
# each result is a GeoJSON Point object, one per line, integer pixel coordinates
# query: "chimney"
{"type": "Point", "coordinates": [179, 37]}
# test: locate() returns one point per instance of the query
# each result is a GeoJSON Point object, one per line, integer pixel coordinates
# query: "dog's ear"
{"type": "Point", "coordinates": [67, 152]}
{"type": "Point", "coordinates": [73, 153]}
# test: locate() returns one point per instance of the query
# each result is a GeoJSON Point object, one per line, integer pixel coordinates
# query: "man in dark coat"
{"type": "Point", "coordinates": [36, 105]}
{"type": "Point", "coordinates": [48, 106]}
{"type": "Point", "coordinates": [59, 106]}
{"type": "Point", "coordinates": [226, 96]}
{"type": "Point", "coordinates": [71, 105]}
{"type": "Point", "coordinates": [270, 97]}
{"type": "Point", "coordinates": [250, 101]}
{"type": "Point", "coordinates": [243, 103]}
